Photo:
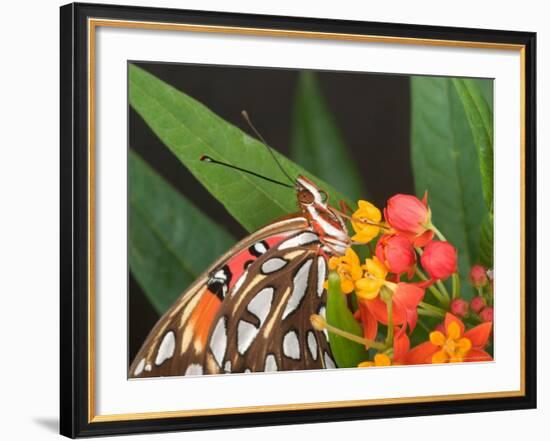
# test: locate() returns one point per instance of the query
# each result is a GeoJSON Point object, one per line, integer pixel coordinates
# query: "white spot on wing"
{"type": "Point", "coordinates": [220, 274]}
{"type": "Point", "coordinates": [323, 313]}
{"type": "Point", "coordinates": [166, 348]}
{"type": "Point", "coordinates": [227, 367]}
{"type": "Point", "coordinates": [329, 362]}
{"type": "Point", "coordinates": [139, 368]}
{"type": "Point", "coordinates": [312, 344]}
{"type": "Point", "coordinates": [260, 248]}
{"type": "Point", "coordinates": [260, 305]}
{"type": "Point", "coordinates": [299, 240]}
{"type": "Point", "coordinates": [194, 369]}
{"type": "Point", "coordinates": [300, 286]}
{"type": "Point", "coordinates": [272, 265]}
{"type": "Point", "coordinates": [321, 275]}
{"type": "Point", "coordinates": [246, 332]}
{"type": "Point", "coordinates": [148, 367]}
{"type": "Point", "coordinates": [270, 363]}
{"type": "Point", "coordinates": [218, 342]}
{"type": "Point", "coordinates": [291, 345]}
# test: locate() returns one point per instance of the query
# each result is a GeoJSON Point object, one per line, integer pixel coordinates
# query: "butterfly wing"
{"type": "Point", "coordinates": [265, 325]}
{"type": "Point", "coordinates": [176, 345]}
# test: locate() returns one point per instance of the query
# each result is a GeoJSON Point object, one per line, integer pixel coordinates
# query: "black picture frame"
{"type": "Point", "coordinates": [76, 418]}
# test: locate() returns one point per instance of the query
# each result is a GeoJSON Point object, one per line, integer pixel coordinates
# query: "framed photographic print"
{"type": "Point", "coordinates": [273, 220]}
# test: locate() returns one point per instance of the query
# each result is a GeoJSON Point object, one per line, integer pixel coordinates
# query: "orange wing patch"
{"type": "Point", "coordinates": [202, 317]}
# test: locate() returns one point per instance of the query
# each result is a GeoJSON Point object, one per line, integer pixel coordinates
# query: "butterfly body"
{"type": "Point", "coordinates": [250, 311]}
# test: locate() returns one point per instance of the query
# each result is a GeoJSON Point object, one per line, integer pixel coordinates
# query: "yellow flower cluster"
{"type": "Point", "coordinates": [365, 279]}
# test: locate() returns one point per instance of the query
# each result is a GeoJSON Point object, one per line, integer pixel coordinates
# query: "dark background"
{"type": "Point", "coordinates": [371, 110]}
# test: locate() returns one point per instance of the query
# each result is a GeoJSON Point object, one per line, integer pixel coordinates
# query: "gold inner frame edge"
{"type": "Point", "coordinates": [92, 25]}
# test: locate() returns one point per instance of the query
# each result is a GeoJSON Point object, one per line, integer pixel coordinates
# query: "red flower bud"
{"type": "Point", "coordinates": [459, 307]}
{"type": "Point", "coordinates": [486, 314]}
{"type": "Point", "coordinates": [478, 276]}
{"type": "Point", "coordinates": [439, 259]}
{"type": "Point", "coordinates": [441, 328]}
{"type": "Point", "coordinates": [410, 216]}
{"type": "Point", "coordinates": [397, 253]}
{"type": "Point", "coordinates": [477, 304]}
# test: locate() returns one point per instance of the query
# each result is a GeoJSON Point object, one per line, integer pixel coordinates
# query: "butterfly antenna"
{"type": "Point", "coordinates": [225, 164]}
{"type": "Point", "coordinates": [244, 113]}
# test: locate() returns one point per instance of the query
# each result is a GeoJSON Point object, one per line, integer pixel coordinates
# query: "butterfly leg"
{"type": "Point", "coordinates": [344, 207]}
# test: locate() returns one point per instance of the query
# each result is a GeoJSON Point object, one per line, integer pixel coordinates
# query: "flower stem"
{"type": "Point", "coordinates": [438, 233]}
{"type": "Point", "coordinates": [432, 308]}
{"type": "Point", "coordinates": [437, 294]}
{"type": "Point", "coordinates": [389, 335]}
{"type": "Point", "coordinates": [442, 288]}
{"type": "Point", "coordinates": [456, 286]}
{"type": "Point", "coordinates": [480, 291]}
{"type": "Point", "coordinates": [423, 326]}
{"type": "Point", "coordinates": [425, 312]}
{"type": "Point", "coordinates": [319, 323]}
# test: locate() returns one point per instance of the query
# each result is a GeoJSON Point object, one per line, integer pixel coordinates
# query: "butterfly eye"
{"type": "Point", "coordinates": [324, 195]}
{"type": "Point", "coordinates": [305, 197]}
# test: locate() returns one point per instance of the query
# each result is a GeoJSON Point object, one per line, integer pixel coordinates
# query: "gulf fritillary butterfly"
{"type": "Point", "coordinates": [250, 311]}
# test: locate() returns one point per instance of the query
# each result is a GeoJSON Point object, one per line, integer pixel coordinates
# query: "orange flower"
{"type": "Point", "coordinates": [401, 345]}
{"type": "Point", "coordinates": [405, 300]}
{"type": "Point", "coordinates": [453, 345]}
{"type": "Point", "coordinates": [379, 360]}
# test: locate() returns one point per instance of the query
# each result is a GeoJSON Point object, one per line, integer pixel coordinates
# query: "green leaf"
{"type": "Point", "coordinates": [171, 241]}
{"type": "Point", "coordinates": [486, 87]}
{"type": "Point", "coordinates": [480, 119]}
{"type": "Point", "coordinates": [346, 353]}
{"type": "Point", "coordinates": [486, 242]}
{"type": "Point", "coordinates": [190, 130]}
{"type": "Point", "coordinates": [445, 163]}
{"type": "Point", "coordinates": [474, 95]}
{"type": "Point", "coordinates": [317, 143]}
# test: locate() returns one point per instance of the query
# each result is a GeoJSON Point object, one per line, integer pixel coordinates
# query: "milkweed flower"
{"type": "Point", "coordinates": [401, 346]}
{"type": "Point", "coordinates": [439, 259]}
{"type": "Point", "coordinates": [478, 276]}
{"type": "Point", "coordinates": [405, 299]}
{"type": "Point", "coordinates": [379, 360]}
{"type": "Point", "coordinates": [368, 286]}
{"type": "Point", "coordinates": [453, 345]}
{"type": "Point", "coordinates": [365, 222]}
{"type": "Point", "coordinates": [397, 254]}
{"type": "Point", "coordinates": [411, 217]}
{"type": "Point", "coordinates": [477, 304]}
{"type": "Point", "coordinates": [459, 307]}
{"type": "Point", "coordinates": [348, 268]}
{"type": "Point", "coordinates": [487, 314]}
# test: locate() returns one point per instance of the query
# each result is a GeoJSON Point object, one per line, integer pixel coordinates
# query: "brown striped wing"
{"type": "Point", "coordinates": [170, 347]}
{"type": "Point", "coordinates": [264, 325]}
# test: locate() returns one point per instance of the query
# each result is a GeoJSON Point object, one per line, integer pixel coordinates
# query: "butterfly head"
{"type": "Point", "coordinates": [308, 193]}
{"type": "Point", "coordinates": [325, 221]}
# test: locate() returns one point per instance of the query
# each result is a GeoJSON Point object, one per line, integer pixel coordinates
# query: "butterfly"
{"type": "Point", "coordinates": [250, 311]}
